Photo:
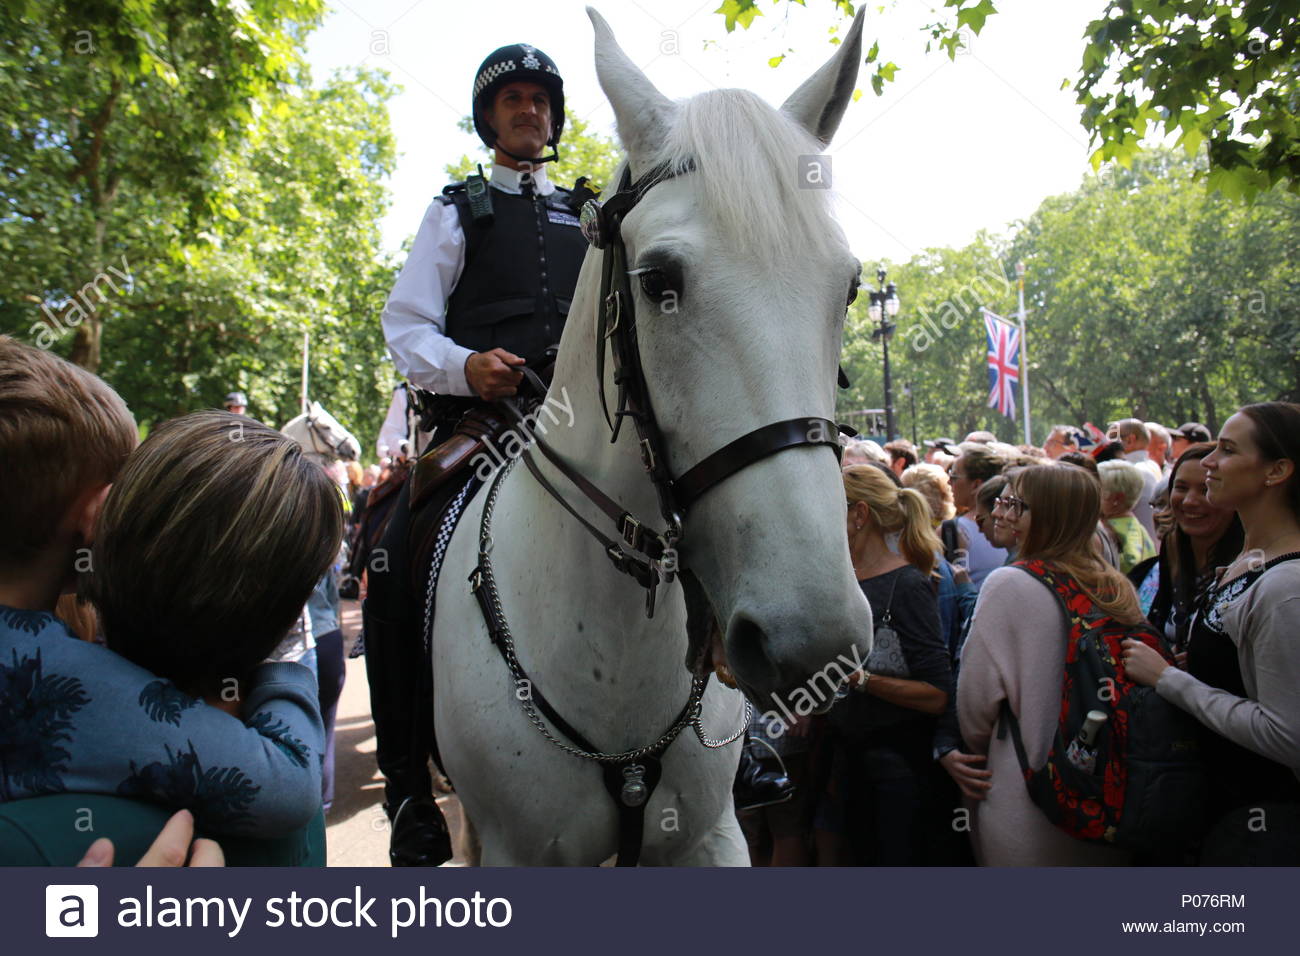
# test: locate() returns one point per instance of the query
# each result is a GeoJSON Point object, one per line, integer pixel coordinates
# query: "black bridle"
{"type": "Point", "coordinates": [647, 555]}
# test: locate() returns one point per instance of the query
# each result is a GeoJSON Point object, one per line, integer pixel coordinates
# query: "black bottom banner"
{"type": "Point", "coordinates": [651, 911]}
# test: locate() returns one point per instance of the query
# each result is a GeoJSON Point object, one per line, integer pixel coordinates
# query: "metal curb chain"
{"type": "Point", "coordinates": [690, 716]}
{"type": "Point", "coordinates": [706, 740]}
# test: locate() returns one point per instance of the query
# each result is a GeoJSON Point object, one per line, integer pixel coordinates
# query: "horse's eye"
{"type": "Point", "coordinates": [853, 294]}
{"type": "Point", "coordinates": [656, 284]}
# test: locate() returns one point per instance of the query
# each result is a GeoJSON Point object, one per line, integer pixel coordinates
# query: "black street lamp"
{"type": "Point", "coordinates": [883, 308]}
{"type": "Point", "coordinates": [911, 397]}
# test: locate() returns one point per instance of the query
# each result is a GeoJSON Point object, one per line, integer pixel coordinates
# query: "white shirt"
{"type": "Point", "coordinates": [395, 428]}
{"type": "Point", "coordinates": [415, 318]}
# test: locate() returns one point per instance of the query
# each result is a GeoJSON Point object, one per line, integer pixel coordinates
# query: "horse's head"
{"type": "Point", "coordinates": [319, 432]}
{"type": "Point", "coordinates": [740, 281]}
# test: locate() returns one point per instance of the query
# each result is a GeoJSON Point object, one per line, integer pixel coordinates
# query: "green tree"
{"type": "Point", "coordinates": [1220, 74]}
{"type": "Point", "coordinates": [115, 113]}
{"type": "Point", "coordinates": [1217, 73]}
{"type": "Point", "coordinates": [946, 32]}
{"type": "Point", "coordinates": [296, 252]}
{"type": "Point", "coordinates": [1153, 297]}
{"type": "Point", "coordinates": [938, 344]}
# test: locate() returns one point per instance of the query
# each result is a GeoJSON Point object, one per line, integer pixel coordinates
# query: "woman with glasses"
{"type": "Point", "coordinates": [982, 514]}
{"type": "Point", "coordinates": [1016, 653]}
{"type": "Point", "coordinates": [1243, 652]}
{"type": "Point", "coordinates": [975, 465]}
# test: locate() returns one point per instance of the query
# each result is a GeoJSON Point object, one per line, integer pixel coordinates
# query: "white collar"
{"type": "Point", "coordinates": [1138, 454]}
{"type": "Point", "coordinates": [507, 179]}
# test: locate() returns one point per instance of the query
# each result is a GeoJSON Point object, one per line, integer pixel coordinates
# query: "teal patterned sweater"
{"type": "Point", "coordinates": [77, 718]}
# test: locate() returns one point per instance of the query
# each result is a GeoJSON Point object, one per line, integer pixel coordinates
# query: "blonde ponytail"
{"type": "Point", "coordinates": [896, 510]}
{"type": "Point", "coordinates": [917, 540]}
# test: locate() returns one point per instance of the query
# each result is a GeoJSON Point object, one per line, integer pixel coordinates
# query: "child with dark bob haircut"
{"type": "Point", "coordinates": [207, 548]}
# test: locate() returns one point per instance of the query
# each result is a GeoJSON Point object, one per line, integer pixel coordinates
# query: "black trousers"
{"type": "Point", "coordinates": [401, 702]}
{"type": "Point", "coordinates": [398, 668]}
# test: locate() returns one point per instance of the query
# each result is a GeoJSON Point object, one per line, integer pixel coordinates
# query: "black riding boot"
{"type": "Point", "coordinates": [400, 702]}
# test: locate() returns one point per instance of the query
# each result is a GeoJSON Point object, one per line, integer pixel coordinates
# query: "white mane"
{"type": "Point", "coordinates": [746, 155]}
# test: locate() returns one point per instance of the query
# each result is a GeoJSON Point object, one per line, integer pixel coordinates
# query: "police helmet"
{"type": "Point", "coordinates": [510, 64]}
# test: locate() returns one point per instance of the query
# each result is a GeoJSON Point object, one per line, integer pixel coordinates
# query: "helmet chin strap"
{"type": "Point", "coordinates": [535, 160]}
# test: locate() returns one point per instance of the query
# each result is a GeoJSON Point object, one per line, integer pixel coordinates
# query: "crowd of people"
{"type": "Point", "coordinates": [1190, 547]}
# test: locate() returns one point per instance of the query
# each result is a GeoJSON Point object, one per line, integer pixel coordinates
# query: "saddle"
{"type": "Point", "coordinates": [477, 428]}
{"type": "Point", "coordinates": [371, 525]}
{"type": "Point", "coordinates": [439, 474]}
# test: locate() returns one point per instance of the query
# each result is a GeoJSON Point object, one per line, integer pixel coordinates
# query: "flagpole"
{"type": "Point", "coordinates": [306, 341]}
{"type": "Point", "coordinates": [1024, 352]}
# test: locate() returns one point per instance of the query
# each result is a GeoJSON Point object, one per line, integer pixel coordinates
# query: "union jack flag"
{"type": "Point", "coordinates": [1004, 363]}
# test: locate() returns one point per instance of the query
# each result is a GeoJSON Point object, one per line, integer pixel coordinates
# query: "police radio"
{"type": "Point", "coordinates": [480, 197]}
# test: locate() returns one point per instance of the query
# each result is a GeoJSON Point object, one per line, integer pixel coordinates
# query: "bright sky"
{"type": "Point", "coordinates": [951, 147]}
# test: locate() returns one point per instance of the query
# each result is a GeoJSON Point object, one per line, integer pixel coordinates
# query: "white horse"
{"type": "Point", "coordinates": [760, 275]}
{"type": "Point", "coordinates": [320, 433]}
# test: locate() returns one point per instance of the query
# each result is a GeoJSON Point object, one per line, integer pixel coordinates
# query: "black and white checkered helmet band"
{"type": "Point", "coordinates": [497, 70]}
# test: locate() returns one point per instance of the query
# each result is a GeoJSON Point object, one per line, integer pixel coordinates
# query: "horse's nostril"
{"type": "Point", "coordinates": [746, 650]}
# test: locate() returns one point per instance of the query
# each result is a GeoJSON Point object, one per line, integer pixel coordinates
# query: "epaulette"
{"type": "Point", "coordinates": [449, 192]}
{"type": "Point", "coordinates": [581, 191]}
{"type": "Point", "coordinates": [579, 194]}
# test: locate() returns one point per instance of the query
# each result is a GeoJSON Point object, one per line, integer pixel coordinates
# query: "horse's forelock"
{"type": "Point", "coordinates": [751, 160]}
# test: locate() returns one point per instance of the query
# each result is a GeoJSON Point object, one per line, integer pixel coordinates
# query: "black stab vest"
{"type": "Point", "coordinates": [520, 273]}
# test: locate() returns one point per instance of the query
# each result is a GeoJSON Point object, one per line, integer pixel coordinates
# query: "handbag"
{"type": "Point", "coordinates": [886, 658]}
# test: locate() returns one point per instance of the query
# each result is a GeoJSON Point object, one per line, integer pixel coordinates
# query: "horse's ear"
{"type": "Point", "coordinates": [642, 113]}
{"type": "Point", "coordinates": [818, 105]}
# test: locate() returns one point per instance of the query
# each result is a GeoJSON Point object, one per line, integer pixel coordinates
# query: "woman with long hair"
{"type": "Point", "coordinates": [1243, 655]}
{"type": "Point", "coordinates": [886, 724]}
{"type": "Point", "coordinates": [1203, 537]}
{"type": "Point", "coordinates": [1016, 654]}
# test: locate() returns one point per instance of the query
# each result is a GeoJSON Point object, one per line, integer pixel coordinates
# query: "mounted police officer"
{"type": "Point", "coordinates": [486, 288]}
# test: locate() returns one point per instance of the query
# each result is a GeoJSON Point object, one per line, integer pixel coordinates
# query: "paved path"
{"type": "Point", "coordinates": [357, 830]}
